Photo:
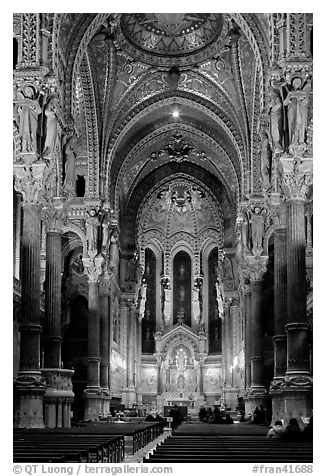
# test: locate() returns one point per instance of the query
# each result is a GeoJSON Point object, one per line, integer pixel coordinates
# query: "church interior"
{"type": "Point", "coordinates": [163, 215]}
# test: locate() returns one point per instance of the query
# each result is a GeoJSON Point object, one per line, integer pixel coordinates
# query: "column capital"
{"type": "Point", "coordinates": [277, 210]}
{"type": "Point", "coordinates": [29, 179]}
{"type": "Point", "coordinates": [296, 177]}
{"type": "Point", "coordinates": [93, 268]}
{"type": "Point", "coordinates": [105, 285]}
{"type": "Point", "coordinates": [256, 266]}
{"type": "Point", "coordinates": [54, 217]}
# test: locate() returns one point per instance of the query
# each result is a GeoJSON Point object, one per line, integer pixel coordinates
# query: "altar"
{"type": "Point", "coordinates": [180, 353]}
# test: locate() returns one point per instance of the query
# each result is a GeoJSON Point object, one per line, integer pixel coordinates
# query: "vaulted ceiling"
{"type": "Point", "coordinates": [156, 94]}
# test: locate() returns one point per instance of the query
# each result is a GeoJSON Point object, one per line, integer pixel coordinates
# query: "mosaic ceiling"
{"type": "Point", "coordinates": [170, 36]}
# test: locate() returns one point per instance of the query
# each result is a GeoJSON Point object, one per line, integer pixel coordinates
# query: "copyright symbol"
{"type": "Point", "coordinates": [17, 469]}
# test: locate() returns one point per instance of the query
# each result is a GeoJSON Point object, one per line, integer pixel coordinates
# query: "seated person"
{"type": "Point", "coordinates": [292, 431]}
{"type": "Point", "coordinates": [276, 431]}
{"type": "Point", "coordinates": [228, 418]}
{"type": "Point", "coordinates": [150, 417]}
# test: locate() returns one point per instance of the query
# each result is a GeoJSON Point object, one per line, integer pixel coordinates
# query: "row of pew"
{"type": "Point", "coordinates": [230, 449]}
{"type": "Point", "coordinates": [95, 443]}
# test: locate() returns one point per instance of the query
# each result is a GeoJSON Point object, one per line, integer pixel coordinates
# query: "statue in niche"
{"type": "Point", "coordinates": [114, 250]}
{"type": "Point", "coordinates": [92, 223]}
{"type": "Point", "coordinates": [69, 154]}
{"type": "Point", "coordinates": [275, 112]}
{"type": "Point", "coordinates": [181, 382]}
{"type": "Point", "coordinates": [148, 335]}
{"type": "Point", "coordinates": [228, 269]}
{"type": "Point", "coordinates": [167, 301]}
{"type": "Point", "coordinates": [297, 102]}
{"type": "Point", "coordinates": [77, 264]}
{"type": "Point", "coordinates": [132, 269]}
{"type": "Point", "coordinates": [182, 271]}
{"type": "Point", "coordinates": [196, 304]}
{"type": "Point", "coordinates": [257, 228]}
{"type": "Point", "coordinates": [105, 232]}
{"type": "Point", "coordinates": [50, 180]}
{"type": "Point", "coordinates": [265, 159]}
{"type": "Point", "coordinates": [219, 297]}
{"type": "Point", "coordinates": [51, 126]}
{"type": "Point", "coordinates": [28, 111]}
{"type": "Point", "coordinates": [182, 293]}
{"type": "Point", "coordinates": [244, 229]}
{"type": "Point", "coordinates": [143, 297]}
{"type": "Point", "coordinates": [181, 361]}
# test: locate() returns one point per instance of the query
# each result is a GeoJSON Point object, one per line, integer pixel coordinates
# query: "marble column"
{"type": "Point", "coordinates": [93, 397]}
{"type": "Point", "coordinates": [280, 303]}
{"type": "Point", "coordinates": [130, 391]}
{"type": "Point", "coordinates": [139, 361]}
{"type": "Point", "coordinates": [257, 357]}
{"type": "Point", "coordinates": [297, 177]}
{"type": "Point", "coordinates": [256, 395]}
{"type": "Point", "coordinates": [229, 390]}
{"type": "Point", "coordinates": [59, 385]}
{"type": "Point", "coordinates": [30, 413]}
{"type": "Point", "coordinates": [52, 327]}
{"type": "Point", "coordinates": [228, 344]}
{"type": "Point", "coordinates": [104, 345]}
{"type": "Point", "coordinates": [30, 384]}
{"type": "Point", "coordinates": [17, 235]}
{"type": "Point", "coordinates": [247, 340]}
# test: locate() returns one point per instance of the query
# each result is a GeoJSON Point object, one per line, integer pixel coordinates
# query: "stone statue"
{"type": "Point", "coordinates": [105, 232]}
{"type": "Point", "coordinates": [244, 229]}
{"type": "Point", "coordinates": [257, 228]}
{"type": "Point", "coordinates": [131, 271]}
{"type": "Point", "coordinates": [275, 111]}
{"type": "Point", "coordinates": [228, 270]}
{"type": "Point", "coordinates": [114, 250]}
{"type": "Point", "coordinates": [266, 160]}
{"type": "Point", "coordinates": [297, 102]}
{"type": "Point", "coordinates": [92, 223]}
{"type": "Point", "coordinates": [51, 126]}
{"type": "Point", "coordinates": [196, 304]}
{"type": "Point", "coordinates": [219, 298]}
{"type": "Point", "coordinates": [69, 184]}
{"type": "Point", "coordinates": [28, 111]}
{"type": "Point", "coordinates": [143, 297]}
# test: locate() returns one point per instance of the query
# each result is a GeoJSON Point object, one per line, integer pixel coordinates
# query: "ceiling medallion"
{"type": "Point", "coordinates": [177, 150]}
{"type": "Point", "coordinates": [167, 39]}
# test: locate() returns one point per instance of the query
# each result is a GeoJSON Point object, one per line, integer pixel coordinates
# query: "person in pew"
{"type": "Point", "coordinates": [228, 419]}
{"type": "Point", "coordinates": [202, 413]}
{"type": "Point", "coordinates": [292, 431]}
{"type": "Point", "coordinates": [176, 415]}
{"type": "Point", "coordinates": [150, 417]}
{"type": "Point", "coordinates": [276, 430]}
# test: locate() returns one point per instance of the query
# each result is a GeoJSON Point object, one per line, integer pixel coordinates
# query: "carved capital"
{"type": "Point", "coordinates": [93, 268]}
{"type": "Point", "coordinates": [256, 266]}
{"type": "Point", "coordinates": [29, 181]}
{"type": "Point", "coordinates": [54, 218]}
{"type": "Point", "coordinates": [105, 285]}
{"type": "Point", "coordinates": [296, 177]}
